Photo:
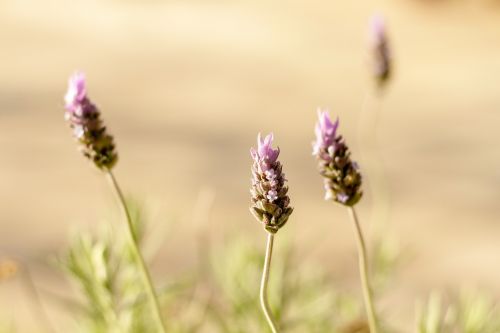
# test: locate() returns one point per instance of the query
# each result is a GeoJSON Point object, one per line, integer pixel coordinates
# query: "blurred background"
{"type": "Point", "coordinates": [185, 86]}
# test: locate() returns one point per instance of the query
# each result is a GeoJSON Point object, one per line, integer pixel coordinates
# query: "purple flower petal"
{"type": "Point", "coordinates": [265, 152]}
{"type": "Point", "coordinates": [325, 130]}
{"type": "Point", "coordinates": [77, 90]}
{"type": "Point", "coordinates": [377, 29]}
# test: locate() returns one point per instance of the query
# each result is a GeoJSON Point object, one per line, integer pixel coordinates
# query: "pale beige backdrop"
{"type": "Point", "coordinates": [185, 86]}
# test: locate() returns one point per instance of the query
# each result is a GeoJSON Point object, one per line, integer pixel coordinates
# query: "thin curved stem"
{"type": "Point", "coordinates": [264, 282]}
{"type": "Point", "coordinates": [363, 270]}
{"type": "Point", "coordinates": [153, 298]}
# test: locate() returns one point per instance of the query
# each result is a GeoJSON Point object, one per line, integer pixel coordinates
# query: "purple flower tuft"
{"type": "Point", "coordinates": [377, 28]}
{"type": "Point", "coordinates": [77, 90]}
{"type": "Point", "coordinates": [379, 45]}
{"type": "Point", "coordinates": [325, 131]}
{"type": "Point", "coordinates": [265, 155]}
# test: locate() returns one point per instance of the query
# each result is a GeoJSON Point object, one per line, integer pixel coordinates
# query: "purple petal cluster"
{"type": "Point", "coordinates": [84, 118]}
{"type": "Point", "coordinates": [270, 202]}
{"type": "Point", "coordinates": [265, 156]}
{"type": "Point", "coordinates": [77, 91]}
{"type": "Point", "coordinates": [342, 179]}
{"type": "Point", "coordinates": [325, 131]}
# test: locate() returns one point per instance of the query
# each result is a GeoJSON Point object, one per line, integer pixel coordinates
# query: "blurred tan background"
{"type": "Point", "coordinates": [185, 86]}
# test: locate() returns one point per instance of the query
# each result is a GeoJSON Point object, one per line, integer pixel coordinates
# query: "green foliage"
{"type": "Point", "coordinates": [469, 313]}
{"type": "Point", "coordinates": [385, 259]}
{"type": "Point", "coordinates": [302, 296]}
{"type": "Point", "coordinates": [224, 296]}
{"type": "Point", "coordinates": [112, 293]}
{"type": "Point", "coordinates": [90, 263]}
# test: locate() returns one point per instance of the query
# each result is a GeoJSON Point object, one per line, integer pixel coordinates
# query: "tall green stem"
{"type": "Point", "coordinates": [363, 270]}
{"type": "Point", "coordinates": [155, 305]}
{"type": "Point", "coordinates": [264, 282]}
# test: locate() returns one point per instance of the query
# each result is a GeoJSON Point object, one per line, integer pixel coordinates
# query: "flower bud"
{"type": "Point", "coordinates": [269, 192]}
{"type": "Point", "coordinates": [342, 179]}
{"type": "Point", "coordinates": [380, 50]}
{"type": "Point", "coordinates": [84, 119]}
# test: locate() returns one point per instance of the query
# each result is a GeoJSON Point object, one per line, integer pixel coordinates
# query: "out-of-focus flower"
{"type": "Point", "coordinates": [8, 269]}
{"type": "Point", "coordinates": [380, 49]}
{"type": "Point", "coordinates": [269, 192]}
{"type": "Point", "coordinates": [342, 179]}
{"type": "Point", "coordinates": [84, 118]}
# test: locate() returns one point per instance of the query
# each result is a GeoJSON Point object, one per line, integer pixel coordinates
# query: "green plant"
{"type": "Point", "coordinates": [104, 269]}
{"type": "Point", "coordinates": [470, 312]}
{"type": "Point", "coordinates": [305, 299]}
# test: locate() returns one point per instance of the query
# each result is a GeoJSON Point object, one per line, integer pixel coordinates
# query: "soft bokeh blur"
{"type": "Point", "coordinates": [185, 86]}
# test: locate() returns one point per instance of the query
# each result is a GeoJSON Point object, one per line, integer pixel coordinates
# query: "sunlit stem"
{"type": "Point", "coordinates": [150, 291]}
{"type": "Point", "coordinates": [363, 270]}
{"type": "Point", "coordinates": [264, 282]}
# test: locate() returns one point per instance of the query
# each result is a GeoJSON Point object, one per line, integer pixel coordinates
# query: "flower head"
{"type": "Point", "coordinates": [269, 192]}
{"type": "Point", "coordinates": [84, 118]}
{"type": "Point", "coordinates": [341, 176]}
{"type": "Point", "coordinates": [379, 45]}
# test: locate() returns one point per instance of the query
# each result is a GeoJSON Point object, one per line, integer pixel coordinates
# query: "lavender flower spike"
{"type": "Point", "coordinates": [379, 45]}
{"type": "Point", "coordinates": [269, 192]}
{"type": "Point", "coordinates": [342, 179]}
{"type": "Point", "coordinates": [83, 116]}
